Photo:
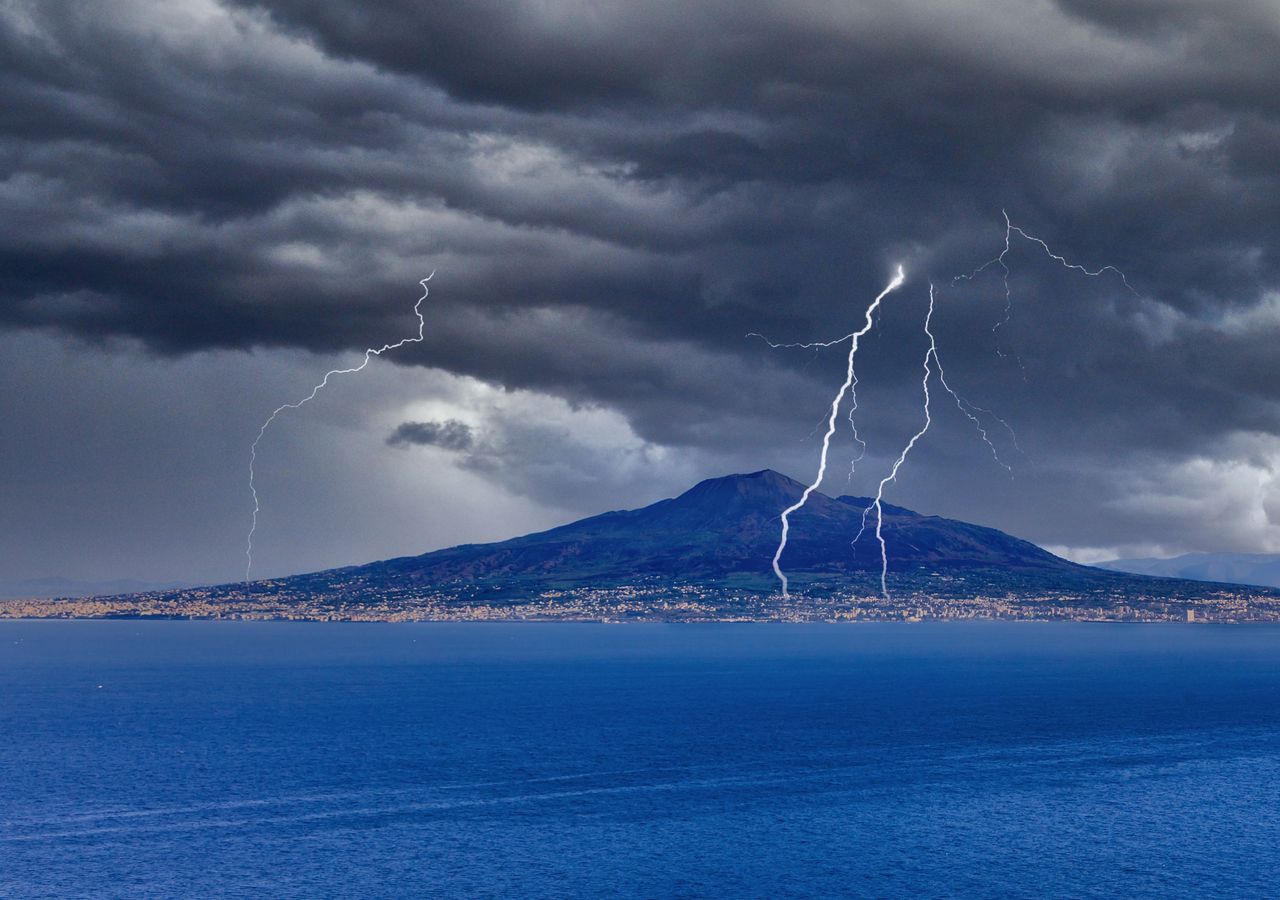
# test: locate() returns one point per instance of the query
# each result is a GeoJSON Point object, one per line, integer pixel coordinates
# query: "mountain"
{"type": "Point", "coordinates": [706, 556]}
{"type": "Point", "coordinates": [1233, 568]}
{"type": "Point", "coordinates": [724, 531]}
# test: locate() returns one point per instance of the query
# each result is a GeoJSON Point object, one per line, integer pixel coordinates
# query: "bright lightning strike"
{"type": "Point", "coordinates": [877, 503]}
{"type": "Point", "coordinates": [931, 360]}
{"type": "Point", "coordinates": [368, 355]}
{"type": "Point", "coordinates": [853, 339]}
{"type": "Point", "coordinates": [849, 387]}
{"type": "Point", "coordinates": [931, 353]}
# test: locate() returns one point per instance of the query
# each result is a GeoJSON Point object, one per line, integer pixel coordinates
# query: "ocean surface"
{"type": "Point", "coordinates": [231, 759]}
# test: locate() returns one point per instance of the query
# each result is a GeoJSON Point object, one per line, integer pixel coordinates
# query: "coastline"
{"type": "Point", "coordinates": [1229, 609]}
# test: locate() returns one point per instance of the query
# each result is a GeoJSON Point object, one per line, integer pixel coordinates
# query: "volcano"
{"type": "Point", "coordinates": [720, 531]}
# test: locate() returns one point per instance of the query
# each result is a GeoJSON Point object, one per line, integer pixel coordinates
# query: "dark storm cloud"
{"type": "Point", "coordinates": [448, 435]}
{"type": "Point", "coordinates": [614, 194]}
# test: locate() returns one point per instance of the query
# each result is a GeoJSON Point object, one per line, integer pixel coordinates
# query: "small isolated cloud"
{"type": "Point", "coordinates": [449, 435]}
{"type": "Point", "coordinates": [578, 459]}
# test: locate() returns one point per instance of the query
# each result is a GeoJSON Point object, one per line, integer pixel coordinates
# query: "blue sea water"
{"type": "Point", "coordinates": [223, 759]}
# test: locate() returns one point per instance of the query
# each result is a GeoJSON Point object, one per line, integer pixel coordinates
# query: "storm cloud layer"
{"type": "Point", "coordinates": [614, 194]}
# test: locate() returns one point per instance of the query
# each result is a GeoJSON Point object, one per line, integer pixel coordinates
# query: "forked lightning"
{"type": "Point", "coordinates": [931, 360]}
{"type": "Point", "coordinates": [368, 355]}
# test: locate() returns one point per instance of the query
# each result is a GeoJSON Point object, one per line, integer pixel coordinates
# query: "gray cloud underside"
{"type": "Point", "coordinates": [449, 435]}
{"type": "Point", "coordinates": [614, 194]}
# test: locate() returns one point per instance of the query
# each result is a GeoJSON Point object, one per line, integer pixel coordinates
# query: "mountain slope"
{"type": "Point", "coordinates": [69, 587]}
{"type": "Point", "coordinates": [721, 529]}
{"type": "Point", "coordinates": [1232, 568]}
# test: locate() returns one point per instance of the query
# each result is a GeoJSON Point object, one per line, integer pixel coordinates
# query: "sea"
{"type": "Point", "coordinates": [273, 759]}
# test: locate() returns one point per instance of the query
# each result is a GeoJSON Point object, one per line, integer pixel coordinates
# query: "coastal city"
{"type": "Point", "coordinates": [662, 603]}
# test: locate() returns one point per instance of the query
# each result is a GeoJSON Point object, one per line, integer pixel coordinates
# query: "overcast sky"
{"type": "Point", "coordinates": [207, 205]}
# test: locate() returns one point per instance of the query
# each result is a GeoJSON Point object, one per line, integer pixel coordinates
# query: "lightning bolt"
{"type": "Point", "coordinates": [1000, 260]}
{"type": "Point", "coordinates": [849, 387]}
{"type": "Point", "coordinates": [1004, 266]}
{"type": "Point", "coordinates": [931, 360]}
{"type": "Point", "coordinates": [967, 408]}
{"type": "Point", "coordinates": [853, 408]}
{"type": "Point", "coordinates": [931, 353]}
{"type": "Point", "coordinates": [877, 504]}
{"type": "Point", "coordinates": [368, 355]}
{"type": "Point", "coordinates": [853, 339]}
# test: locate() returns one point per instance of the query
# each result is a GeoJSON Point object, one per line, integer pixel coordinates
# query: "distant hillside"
{"type": "Point", "coordinates": [70, 587]}
{"type": "Point", "coordinates": [1233, 568]}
